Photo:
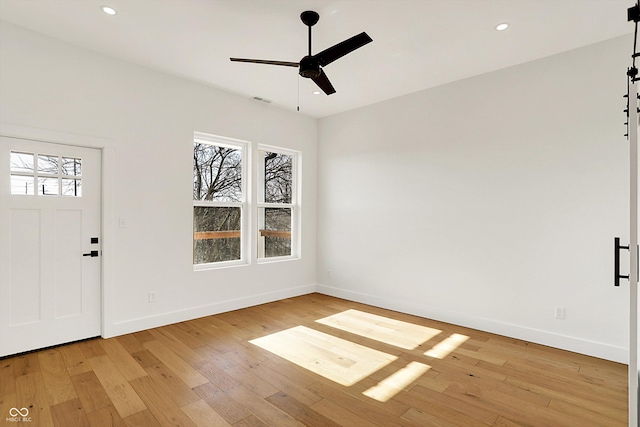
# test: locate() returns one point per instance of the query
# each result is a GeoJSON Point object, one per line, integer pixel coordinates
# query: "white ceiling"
{"type": "Point", "coordinates": [417, 44]}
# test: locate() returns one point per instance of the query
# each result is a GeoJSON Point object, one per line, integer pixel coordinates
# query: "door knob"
{"type": "Point", "coordinates": [91, 254]}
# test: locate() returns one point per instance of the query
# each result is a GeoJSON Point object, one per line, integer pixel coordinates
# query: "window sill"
{"type": "Point", "coordinates": [278, 259]}
{"type": "Point", "coordinates": [219, 265]}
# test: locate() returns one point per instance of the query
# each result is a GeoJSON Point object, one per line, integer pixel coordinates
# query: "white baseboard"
{"type": "Point", "coordinates": [577, 345]}
{"type": "Point", "coordinates": [139, 324]}
{"type": "Point", "coordinates": [591, 348]}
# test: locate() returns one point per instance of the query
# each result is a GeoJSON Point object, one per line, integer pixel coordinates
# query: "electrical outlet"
{"type": "Point", "coordinates": [152, 297]}
{"type": "Point", "coordinates": [561, 313]}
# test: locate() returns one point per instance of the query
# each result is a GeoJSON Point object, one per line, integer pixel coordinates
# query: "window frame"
{"type": "Point", "coordinates": [244, 204]}
{"type": "Point", "coordinates": [295, 205]}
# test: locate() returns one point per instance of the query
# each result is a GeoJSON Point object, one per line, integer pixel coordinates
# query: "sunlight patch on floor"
{"type": "Point", "coordinates": [448, 345]}
{"type": "Point", "coordinates": [394, 332]}
{"type": "Point", "coordinates": [336, 359]}
{"type": "Point", "coordinates": [396, 382]}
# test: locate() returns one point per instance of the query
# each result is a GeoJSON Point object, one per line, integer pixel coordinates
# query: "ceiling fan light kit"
{"type": "Point", "coordinates": [311, 66]}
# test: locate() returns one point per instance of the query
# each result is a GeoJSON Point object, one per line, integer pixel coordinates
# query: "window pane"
{"type": "Point", "coordinates": [72, 187]}
{"type": "Point", "coordinates": [217, 173]}
{"type": "Point", "coordinates": [276, 232]}
{"type": "Point", "coordinates": [21, 162]}
{"type": "Point", "coordinates": [278, 178]}
{"type": "Point", "coordinates": [47, 186]}
{"type": "Point", "coordinates": [48, 164]}
{"type": "Point", "coordinates": [71, 166]}
{"type": "Point", "coordinates": [22, 184]}
{"type": "Point", "coordinates": [216, 234]}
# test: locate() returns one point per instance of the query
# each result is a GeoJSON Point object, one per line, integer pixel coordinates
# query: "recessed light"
{"type": "Point", "coordinates": [502, 26]}
{"type": "Point", "coordinates": [316, 92]}
{"type": "Point", "coordinates": [108, 10]}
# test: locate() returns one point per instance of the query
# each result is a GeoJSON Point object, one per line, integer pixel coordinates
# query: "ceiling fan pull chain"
{"type": "Point", "coordinates": [299, 90]}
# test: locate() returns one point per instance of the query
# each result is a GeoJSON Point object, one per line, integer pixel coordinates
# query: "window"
{"type": "Point", "coordinates": [45, 175]}
{"type": "Point", "coordinates": [219, 200]}
{"type": "Point", "coordinates": [232, 223]}
{"type": "Point", "coordinates": [277, 203]}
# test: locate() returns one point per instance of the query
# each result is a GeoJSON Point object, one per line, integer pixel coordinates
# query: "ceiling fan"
{"type": "Point", "coordinates": [310, 66]}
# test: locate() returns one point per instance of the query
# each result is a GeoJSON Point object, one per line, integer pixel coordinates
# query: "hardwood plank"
{"type": "Point", "coordinates": [516, 409]}
{"type": "Point", "coordinates": [228, 408]}
{"type": "Point", "coordinates": [578, 413]}
{"type": "Point", "coordinates": [302, 413]}
{"type": "Point", "coordinates": [211, 355]}
{"type": "Point", "coordinates": [26, 364]}
{"type": "Point", "coordinates": [145, 358]}
{"type": "Point", "coordinates": [160, 405]}
{"type": "Point", "coordinates": [143, 418]}
{"type": "Point", "coordinates": [130, 343]}
{"type": "Point", "coordinates": [424, 418]}
{"type": "Point", "coordinates": [504, 422]}
{"type": "Point", "coordinates": [367, 409]}
{"type": "Point", "coordinates": [91, 393]}
{"type": "Point", "coordinates": [204, 415]}
{"type": "Point", "coordinates": [342, 416]}
{"type": "Point", "coordinates": [171, 386]}
{"type": "Point", "coordinates": [251, 381]}
{"type": "Point", "coordinates": [56, 378]}
{"type": "Point", "coordinates": [8, 401]}
{"type": "Point", "coordinates": [183, 370]}
{"type": "Point", "coordinates": [31, 393]}
{"type": "Point", "coordinates": [261, 408]}
{"type": "Point", "coordinates": [125, 363]}
{"type": "Point", "coordinates": [69, 413]}
{"type": "Point", "coordinates": [91, 348]}
{"type": "Point", "coordinates": [105, 417]}
{"type": "Point", "coordinates": [122, 395]}
{"type": "Point", "coordinates": [445, 407]}
{"type": "Point", "coordinates": [219, 378]}
{"type": "Point", "coordinates": [284, 382]}
{"type": "Point", "coordinates": [74, 359]}
{"type": "Point", "coordinates": [169, 340]}
{"type": "Point", "coordinates": [593, 404]}
{"type": "Point", "coordinates": [7, 378]}
{"type": "Point", "coordinates": [143, 336]}
{"type": "Point", "coordinates": [250, 421]}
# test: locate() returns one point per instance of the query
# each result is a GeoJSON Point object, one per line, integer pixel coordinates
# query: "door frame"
{"type": "Point", "coordinates": [107, 214]}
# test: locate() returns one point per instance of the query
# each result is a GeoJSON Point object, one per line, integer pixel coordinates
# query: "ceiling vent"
{"type": "Point", "coordinates": [257, 98]}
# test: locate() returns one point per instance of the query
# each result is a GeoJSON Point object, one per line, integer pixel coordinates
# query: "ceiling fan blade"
{"type": "Point", "coordinates": [262, 61]}
{"type": "Point", "coordinates": [339, 50]}
{"type": "Point", "coordinates": [323, 82]}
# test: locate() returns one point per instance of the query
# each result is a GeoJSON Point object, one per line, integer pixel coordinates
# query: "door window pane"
{"type": "Point", "coordinates": [216, 234]}
{"type": "Point", "coordinates": [22, 184]}
{"type": "Point", "coordinates": [71, 187]}
{"type": "Point", "coordinates": [47, 186]}
{"type": "Point", "coordinates": [48, 164]}
{"type": "Point", "coordinates": [21, 162]}
{"type": "Point", "coordinates": [71, 166]}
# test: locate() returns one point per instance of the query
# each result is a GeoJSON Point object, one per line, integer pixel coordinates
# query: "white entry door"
{"type": "Point", "coordinates": [50, 258]}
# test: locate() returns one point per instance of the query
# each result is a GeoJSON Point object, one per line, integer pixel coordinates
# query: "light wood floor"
{"type": "Point", "coordinates": [316, 361]}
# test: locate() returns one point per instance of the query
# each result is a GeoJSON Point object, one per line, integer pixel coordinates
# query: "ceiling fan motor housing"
{"type": "Point", "coordinates": [309, 67]}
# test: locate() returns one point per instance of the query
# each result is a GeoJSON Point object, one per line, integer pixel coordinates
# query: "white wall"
{"type": "Point", "coordinates": [487, 202]}
{"type": "Point", "coordinates": [145, 121]}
